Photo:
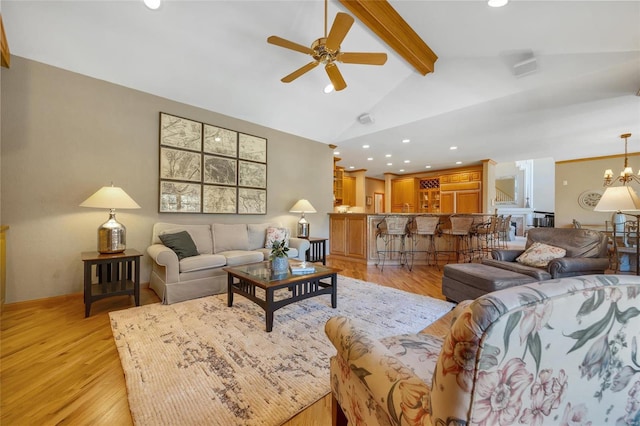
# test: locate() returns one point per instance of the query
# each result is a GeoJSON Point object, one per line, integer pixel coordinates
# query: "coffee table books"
{"type": "Point", "coordinates": [302, 268]}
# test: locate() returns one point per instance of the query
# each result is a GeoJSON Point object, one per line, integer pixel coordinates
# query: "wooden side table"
{"type": "Point", "coordinates": [317, 251]}
{"type": "Point", "coordinates": [118, 274]}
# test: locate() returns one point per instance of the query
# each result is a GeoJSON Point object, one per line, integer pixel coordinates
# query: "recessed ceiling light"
{"type": "Point", "coordinates": [352, 167]}
{"type": "Point", "coordinates": [407, 161]}
{"type": "Point", "coordinates": [406, 140]}
{"type": "Point", "coordinates": [497, 3]}
{"type": "Point", "coordinates": [402, 170]}
{"type": "Point", "coordinates": [365, 146]}
{"type": "Point", "coordinates": [453, 147]}
{"type": "Point", "coordinates": [427, 167]}
{"type": "Point", "coordinates": [388, 155]}
{"type": "Point", "coordinates": [458, 162]}
{"type": "Point", "coordinates": [370, 159]}
{"type": "Point", "coordinates": [152, 4]}
{"type": "Point", "coordinates": [389, 164]}
{"type": "Point", "coordinates": [336, 152]}
{"type": "Point", "coordinates": [328, 88]}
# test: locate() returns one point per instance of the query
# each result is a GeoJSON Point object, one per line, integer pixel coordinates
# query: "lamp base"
{"type": "Point", "coordinates": [112, 236]}
{"type": "Point", "coordinates": [303, 229]}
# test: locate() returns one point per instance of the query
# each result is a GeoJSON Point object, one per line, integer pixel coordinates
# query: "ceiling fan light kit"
{"type": "Point", "coordinates": [152, 4]}
{"type": "Point", "coordinates": [326, 51]}
{"type": "Point", "coordinates": [497, 3]}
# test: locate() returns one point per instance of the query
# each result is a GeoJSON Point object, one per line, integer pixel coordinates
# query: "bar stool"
{"type": "Point", "coordinates": [503, 229]}
{"type": "Point", "coordinates": [425, 227]}
{"type": "Point", "coordinates": [392, 230]}
{"type": "Point", "coordinates": [485, 235]}
{"type": "Point", "coordinates": [460, 232]}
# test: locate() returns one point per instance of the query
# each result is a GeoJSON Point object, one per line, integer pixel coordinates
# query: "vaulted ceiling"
{"type": "Point", "coordinates": [214, 55]}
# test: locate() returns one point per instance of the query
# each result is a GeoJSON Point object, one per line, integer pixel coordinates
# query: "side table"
{"type": "Point", "coordinates": [317, 251]}
{"type": "Point", "coordinates": [118, 274]}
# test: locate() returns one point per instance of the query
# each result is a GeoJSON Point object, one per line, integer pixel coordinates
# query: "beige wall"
{"type": "Point", "coordinates": [372, 186]}
{"type": "Point", "coordinates": [575, 177]}
{"type": "Point", "coordinates": [65, 135]}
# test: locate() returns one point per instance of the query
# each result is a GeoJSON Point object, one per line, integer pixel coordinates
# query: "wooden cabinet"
{"type": "Point", "coordinates": [461, 201]}
{"type": "Point", "coordinates": [468, 202]}
{"type": "Point", "coordinates": [347, 235]}
{"type": "Point", "coordinates": [349, 191]}
{"type": "Point", "coordinates": [447, 202]}
{"type": "Point", "coordinates": [404, 194]}
{"type": "Point", "coordinates": [429, 196]}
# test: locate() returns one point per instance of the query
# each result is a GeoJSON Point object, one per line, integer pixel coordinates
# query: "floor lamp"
{"type": "Point", "coordinates": [621, 199]}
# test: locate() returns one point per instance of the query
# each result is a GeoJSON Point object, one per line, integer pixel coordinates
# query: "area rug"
{"type": "Point", "coordinates": [201, 362]}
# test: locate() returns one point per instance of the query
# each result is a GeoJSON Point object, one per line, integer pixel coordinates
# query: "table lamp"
{"type": "Point", "coordinates": [303, 206]}
{"type": "Point", "coordinates": [620, 199]}
{"type": "Point", "coordinates": [112, 235]}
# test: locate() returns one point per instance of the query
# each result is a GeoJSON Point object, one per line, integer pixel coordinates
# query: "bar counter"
{"type": "Point", "coordinates": [354, 236]}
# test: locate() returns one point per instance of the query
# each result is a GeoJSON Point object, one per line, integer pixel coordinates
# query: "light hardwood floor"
{"type": "Point", "coordinates": [58, 367]}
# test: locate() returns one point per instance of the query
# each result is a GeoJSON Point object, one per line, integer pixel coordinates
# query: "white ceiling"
{"type": "Point", "coordinates": [214, 55]}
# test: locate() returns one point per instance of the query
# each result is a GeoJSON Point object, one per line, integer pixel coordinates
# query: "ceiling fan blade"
{"type": "Point", "coordinates": [297, 73]}
{"type": "Point", "coordinates": [278, 41]}
{"type": "Point", "coordinates": [363, 58]}
{"type": "Point", "coordinates": [339, 30]}
{"type": "Point", "coordinates": [335, 76]}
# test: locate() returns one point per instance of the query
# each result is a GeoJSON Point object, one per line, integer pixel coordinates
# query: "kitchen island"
{"type": "Point", "coordinates": [353, 236]}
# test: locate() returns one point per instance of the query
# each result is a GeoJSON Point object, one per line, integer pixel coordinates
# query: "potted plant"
{"type": "Point", "coordinates": [279, 257]}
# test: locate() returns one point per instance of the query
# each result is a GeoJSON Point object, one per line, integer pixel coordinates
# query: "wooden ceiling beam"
{"type": "Point", "coordinates": [381, 18]}
{"type": "Point", "coordinates": [5, 55]}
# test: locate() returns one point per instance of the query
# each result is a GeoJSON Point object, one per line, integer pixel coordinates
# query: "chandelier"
{"type": "Point", "coordinates": [626, 175]}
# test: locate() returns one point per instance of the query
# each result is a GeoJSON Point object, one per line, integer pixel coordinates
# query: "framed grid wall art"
{"type": "Point", "coordinates": [210, 169]}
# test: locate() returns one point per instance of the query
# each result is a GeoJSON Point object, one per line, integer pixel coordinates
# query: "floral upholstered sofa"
{"type": "Point", "coordinates": [557, 352]}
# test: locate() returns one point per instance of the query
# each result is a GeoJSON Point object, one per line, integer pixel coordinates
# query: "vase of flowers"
{"type": "Point", "coordinates": [279, 257]}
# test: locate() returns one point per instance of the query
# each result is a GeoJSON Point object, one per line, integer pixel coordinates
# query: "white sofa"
{"type": "Point", "coordinates": [218, 245]}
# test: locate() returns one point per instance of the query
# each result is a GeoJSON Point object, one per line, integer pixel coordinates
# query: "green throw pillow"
{"type": "Point", "coordinates": [181, 243]}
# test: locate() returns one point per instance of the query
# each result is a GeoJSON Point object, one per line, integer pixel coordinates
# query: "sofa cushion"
{"type": "Point", "coordinates": [200, 262]}
{"type": "Point", "coordinates": [577, 242]}
{"type": "Point", "coordinates": [181, 243]}
{"type": "Point", "coordinates": [276, 234]}
{"type": "Point", "coordinates": [200, 234]}
{"type": "Point", "coordinates": [481, 276]}
{"type": "Point", "coordinates": [539, 255]}
{"type": "Point", "coordinates": [257, 234]}
{"type": "Point", "coordinates": [241, 257]}
{"type": "Point", "coordinates": [229, 237]}
{"type": "Point", "coordinates": [538, 273]}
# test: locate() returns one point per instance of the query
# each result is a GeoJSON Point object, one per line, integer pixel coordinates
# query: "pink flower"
{"type": "Point", "coordinates": [615, 294]}
{"type": "Point", "coordinates": [540, 408]}
{"type": "Point", "coordinates": [575, 416]}
{"type": "Point", "coordinates": [558, 389]}
{"type": "Point", "coordinates": [500, 394]}
{"type": "Point", "coordinates": [534, 319]}
{"type": "Point", "coordinates": [544, 382]}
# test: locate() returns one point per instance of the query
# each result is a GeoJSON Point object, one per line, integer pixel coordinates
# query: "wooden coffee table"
{"type": "Point", "coordinates": [244, 279]}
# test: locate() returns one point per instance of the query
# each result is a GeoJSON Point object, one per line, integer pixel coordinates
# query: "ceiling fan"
{"type": "Point", "coordinates": [326, 50]}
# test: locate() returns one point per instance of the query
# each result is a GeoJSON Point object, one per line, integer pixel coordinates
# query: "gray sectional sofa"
{"type": "Point", "coordinates": [586, 254]}
{"type": "Point", "coordinates": [218, 245]}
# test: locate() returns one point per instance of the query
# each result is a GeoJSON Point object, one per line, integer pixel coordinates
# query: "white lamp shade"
{"type": "Point", "coordinates": [618, 198]}
{"type": "Point", "coordinates": [302, 206]}
{"type": "Point", "coordinates": [110, 197]}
